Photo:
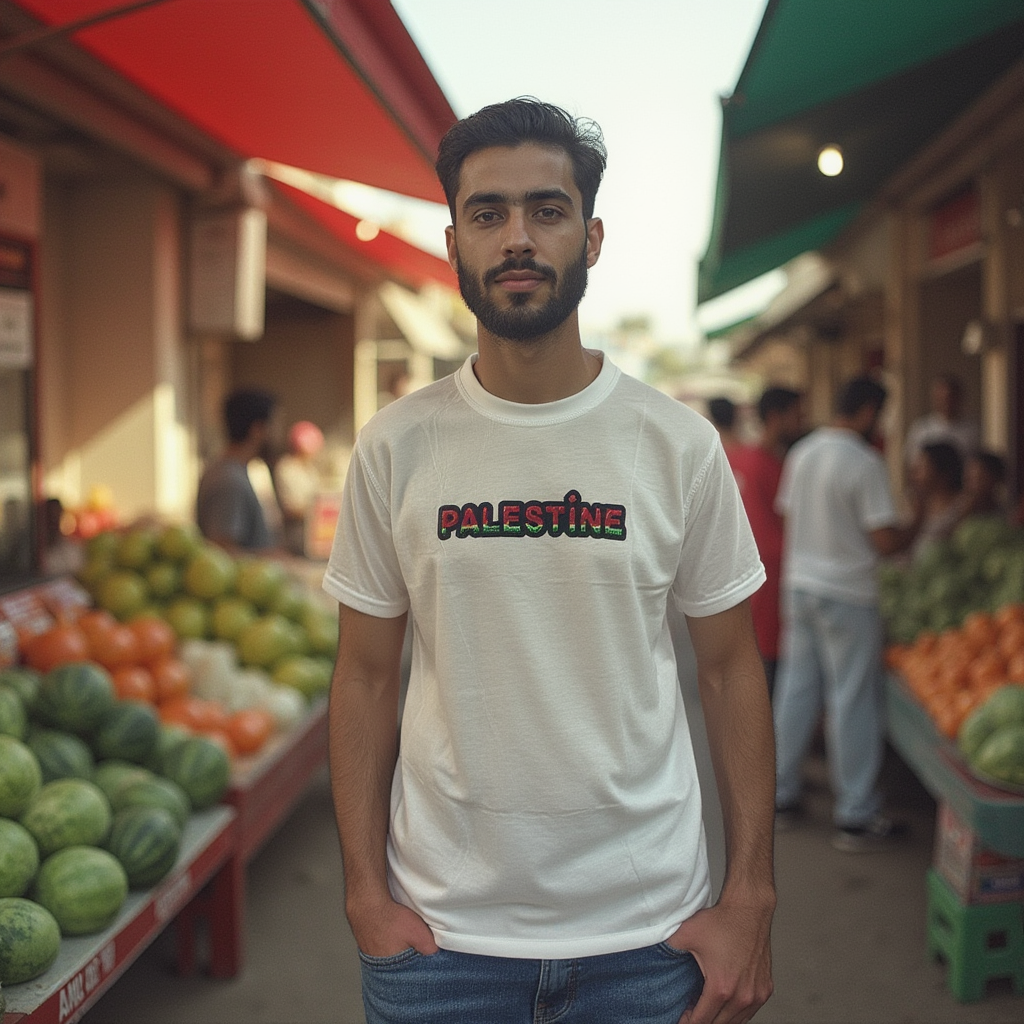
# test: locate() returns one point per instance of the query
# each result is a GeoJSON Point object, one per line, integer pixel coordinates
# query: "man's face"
{"type": "Point", "coordinates": [520, 245]}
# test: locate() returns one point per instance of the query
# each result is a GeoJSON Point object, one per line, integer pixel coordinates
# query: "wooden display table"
{"type": "Point", "coordinates": [88, 965]}
{"type": "Point", "coordinates": [996, 816]}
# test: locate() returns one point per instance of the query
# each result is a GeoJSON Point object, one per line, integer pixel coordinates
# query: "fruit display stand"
{"type": "Point", "coordinates": [263, 792]}
{"type": "Point", "coordinates": [995, 815]}
{"type": "Point", "coordinates": [88, 965]}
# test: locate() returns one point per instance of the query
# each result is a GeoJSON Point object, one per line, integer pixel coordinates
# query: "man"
{"type": "Point", "coordinates": [722, 412]}
{"type": "Point", "coordinates": [533, 850]}
{"type": "Point", "coordinates": [757, 468]}
{"type": "Point", "coordinates": [228, 511]}
{"type": "Point", "coordinates": [945, 422]}
{"type": "Point", "coordinates": [839, 519]}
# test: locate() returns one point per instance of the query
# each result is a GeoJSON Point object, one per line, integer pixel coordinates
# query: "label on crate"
{"type": "Point", "coordinates": [8, 643]}
{"type": "Point", "coordinates": [64, 598]}
{"type": "Point", "coordinates": [26, 612]}
{"type": "Point", "coordinates": [82, 984]}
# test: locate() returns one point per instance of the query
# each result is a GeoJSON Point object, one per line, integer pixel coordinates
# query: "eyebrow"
{"type": "Point", "coordinates": [503, 198]}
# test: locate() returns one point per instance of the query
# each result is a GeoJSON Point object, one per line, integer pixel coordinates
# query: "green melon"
{"type": "Point", "coordinates": [20, 777]}
{"type": "Point", "coordinates": [75, 697]}
{"type": "Point", "coordinates": [202, 768]}
{"type": "Point", "coordinates": [19, 858]}
{"type": "Point", "coordinates": [109, 775]}
{"type": "Point", "coordinates": [127, 732]}
{"type": "Point", "coordinates": [13, 718]}
{"type": "Point", "coordinates": [153, 792]}
{"type": "Point", "coordinates": [146, 840]}
{"type": "Point", "coordinates": [67, 812]}
{"type": "Point", "coordinates": [24, 681]}
{"type": "Point", "coordinates": [29, 940]}
{"type": "Point", "coordinates": [61, 755]}
{"type": "Point", "coordinates": [168, 736]}
{"type": "Point", "coordinates": [1001, 756]}
{"type": "Point", "coordinates": [84, 887]}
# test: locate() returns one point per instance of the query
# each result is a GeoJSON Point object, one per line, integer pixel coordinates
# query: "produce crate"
{"type": "Point", "coordinates": [975, 873]}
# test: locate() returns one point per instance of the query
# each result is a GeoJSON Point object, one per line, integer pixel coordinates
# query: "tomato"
{"type": "Point", "coordinates": [250, 728]}
{"type": "Point", "coordinates": [155, 638]}
{"type": "Point", "coordinates": [223, 738]}
{"type": "Point", "coordinates": [95, 620]}
{"type": "Point", "coordinates": [194, 713]}
{"type": "Point", "coordinates": [114, 647]}
{"type": "Point", "coordinates": [171, 677]}
{"type": "Point", "coordinates": [55, 646]}
{"type": "Point", "coordinates": [134, 682]}
{"type": "Point", "coordinates": [175, 711]}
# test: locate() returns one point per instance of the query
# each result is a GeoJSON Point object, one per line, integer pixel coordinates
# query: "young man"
{"type": "Point", "coordinates": [758, 468]}
{"type": "Point", "coordinates": [533, 850]}
{"type": "Point", "coordinates": [840, 518]}
{"type": "Point", "coordinates": [228, 510]}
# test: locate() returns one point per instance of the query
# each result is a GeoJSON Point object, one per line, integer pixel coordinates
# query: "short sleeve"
{"type": "Point", "coordinates": [363, 570]}
{"type": "Point", "coordinates": [719, 564]}
{"type": "Point", "coordinates": [876, 508]}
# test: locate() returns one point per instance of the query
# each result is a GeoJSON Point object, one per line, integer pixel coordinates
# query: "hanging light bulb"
{"type": "Point", "coordinates": [830, 161]}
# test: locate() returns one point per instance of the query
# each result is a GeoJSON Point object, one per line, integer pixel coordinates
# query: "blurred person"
{"type": "Point", "coordinates": [228, 510]}
{"type": "Point", "coordinates": [757, 468]}
{"type": "Point", "coordinates": [945, 422]}
{"type": "Point", "coordinates": [936, 475]}
{"type": "Point", "coordinates": [840, 519]}
{"type": "Point", "coordinates": [984, 492]}
{"type": "Point", "coordinates": [536, 837]}
{"type": "Point", "coordinates": [297, 481]}
{"type": "Point", "coordinates": [722, 413]}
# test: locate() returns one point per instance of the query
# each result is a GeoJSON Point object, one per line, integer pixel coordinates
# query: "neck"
{"type": "Point", "coordinates": [543, 370]}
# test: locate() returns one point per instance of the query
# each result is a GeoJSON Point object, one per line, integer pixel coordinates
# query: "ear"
{"type": "Point", "coordinates": [453, 250]}
{"type": "Point", "coordinates": [595, 238]}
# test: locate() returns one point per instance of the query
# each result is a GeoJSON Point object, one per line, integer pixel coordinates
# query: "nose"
{"type": "Point", "coordinates": [516, 239]}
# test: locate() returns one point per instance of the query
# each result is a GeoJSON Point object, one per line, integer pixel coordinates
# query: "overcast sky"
{"type": "Point", "coordinates": [650, 73]}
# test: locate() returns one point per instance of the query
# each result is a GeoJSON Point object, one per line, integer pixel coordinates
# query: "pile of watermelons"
{"type": "Point", "coordinates": [94, 795]}
{"type": "Point", "coordinates": [991, 738]}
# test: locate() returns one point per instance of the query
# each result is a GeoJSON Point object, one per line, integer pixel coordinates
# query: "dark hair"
{"type": "Point", "coordinates": [722, 411]}
{"type": "Point", "coordinates": [245, 407]}
{"type": "Point", "coordinates": [858, 393]}
{"type": "Point", "coordinates": [992, 463]}
{"type": "Point", "coordinates": [946, 462]}
{"type": "Point", "coordinates": [520, 120]}
{"type": "Point", "coordinates": [776, 400]}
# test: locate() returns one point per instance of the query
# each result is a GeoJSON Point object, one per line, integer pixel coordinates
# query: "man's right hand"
{"type": "Point", "coordinates": [389, 928]}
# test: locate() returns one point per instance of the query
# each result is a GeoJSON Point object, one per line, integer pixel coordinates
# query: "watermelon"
{"type": "Point", "coordinates": [168, 735]}
{"type": "Point", "coordinates": [153, 792]}
{"type": "Point", "coordinates": [19, 858]}
{"type": "Point", "coordinates": [29, 940]}
{"type": "Point", "coordinates": [110, 773]}
{"type": "Point", "coordinates": [61, 755]}
{"type": "Point", "coordinates": [75, 697]}
{"type": "Point", "coordinates": [146, 840]}
{"type": "Point", "coordinates": [201, 767]}
{"type": "Point", "coordinates": [1001, 756]}
{"type": "Point", "coordinates": [84, 887]}
{"type": "Point", "coordinates": [20, 777]}
{"type": "Point", "coordinates": [13, 718]}
{"type": "Point", "coordinates": [67, 812]}
{"type": "Point", "coordinates": [24, 681]}
{"type": "Point", "coordinates": [127, 732]}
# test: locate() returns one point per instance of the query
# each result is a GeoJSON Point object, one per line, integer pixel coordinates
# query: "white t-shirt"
{"type": "Point", "coordinates": [834, 492]}
{"type": "Point", "coordinates": [933, 428]}
{"type": "Point", "coordinates": [545, 802]}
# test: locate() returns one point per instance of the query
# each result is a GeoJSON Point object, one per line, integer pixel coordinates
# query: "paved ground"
{"type": "Point", "coordinates": [849, 939]}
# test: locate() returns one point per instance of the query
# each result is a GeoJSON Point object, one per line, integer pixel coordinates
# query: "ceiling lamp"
{"type": "Point", "coordinates": [830, 161]}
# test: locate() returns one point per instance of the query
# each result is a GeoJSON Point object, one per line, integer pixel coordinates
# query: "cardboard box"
{"type": "Point", "coordinates": [975, 874]}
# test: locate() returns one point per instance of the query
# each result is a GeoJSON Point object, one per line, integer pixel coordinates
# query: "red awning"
{"type": "Point", "coordinates": [400, 259]}
{"type": "Point", "coordinates": [333, 86]}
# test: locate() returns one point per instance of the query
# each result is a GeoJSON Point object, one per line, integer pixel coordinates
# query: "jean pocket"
{"type": "Point", "coordinates": [395, 960]}
{"type": "Point", "coordinates": [673, 952]}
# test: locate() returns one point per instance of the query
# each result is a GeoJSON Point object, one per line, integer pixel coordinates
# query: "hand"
{"type": "Point", "coordinates": [730, 942]}
{"type": "Point", "coordinates": [389, 928]}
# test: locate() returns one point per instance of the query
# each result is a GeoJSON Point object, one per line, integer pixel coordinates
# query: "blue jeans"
{"type": "Point", "coordinates": [831, 657]}
{"type": "Point", "coordinates": [653, 985]}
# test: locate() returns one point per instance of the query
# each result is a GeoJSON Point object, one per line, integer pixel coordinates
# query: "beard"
{"type": "Point", "coordinates": [520, 322]}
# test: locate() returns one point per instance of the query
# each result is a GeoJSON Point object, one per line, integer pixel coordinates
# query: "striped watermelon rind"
{"type": "Point", "coordinates": [67, 812]}
{"type": "Point", "coordinates": [24, 681]}
{"type": "Point", "coordinates": [13, 717]}
{"type": "Point", "coordinates": [75, 697]}
{"type": "Point", "coordinates": [84, 887]}
{"type": "Point", "coordinates": [127, 732]}
{"type": "Point", "coordinates": [61, 755]}
{"type": "Point", "coordinates": [29, 940]}
{"type": "Point", "coordinates": [153, 792]}
{"type": "Point", "coordinates": [202, 768]}
{"type": "Point", "coordinates": [19, 858]}
{"type": "Point", "coordinates": [20, 777]}
{"type": "Point", "coordinates": [147, 841]}
{"type": "Point", "coordinates": [111, 772]}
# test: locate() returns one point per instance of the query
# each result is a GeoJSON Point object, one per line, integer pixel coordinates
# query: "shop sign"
{"type": "Point", "coordinates": [955, 225]}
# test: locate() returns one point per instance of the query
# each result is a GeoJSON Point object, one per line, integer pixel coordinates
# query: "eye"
{"type": "Point", "coordinates": [549, 213]}
{"type": "Point", "coordinates": [486, 217]}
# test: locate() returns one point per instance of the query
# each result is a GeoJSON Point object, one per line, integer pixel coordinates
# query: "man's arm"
{"type": "Point", "coordinates": [363, 747]}
{"type": "Point", "coordinates": [731, 940]}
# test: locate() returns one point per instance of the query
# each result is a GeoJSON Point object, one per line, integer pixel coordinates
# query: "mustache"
{"type": "Point", "coordinates": [526, 263]}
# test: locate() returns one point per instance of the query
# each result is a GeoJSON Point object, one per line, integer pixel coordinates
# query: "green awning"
{"type": "Point", "coordinates": [878, 78]}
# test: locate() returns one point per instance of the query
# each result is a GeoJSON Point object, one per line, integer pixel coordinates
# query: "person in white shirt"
{"type": "Point", "coordinates": [840, 518]}
{"type": "Point", "coordinates": [532, 848]}
{"type": "Point", "coordinates": [944, 423]}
